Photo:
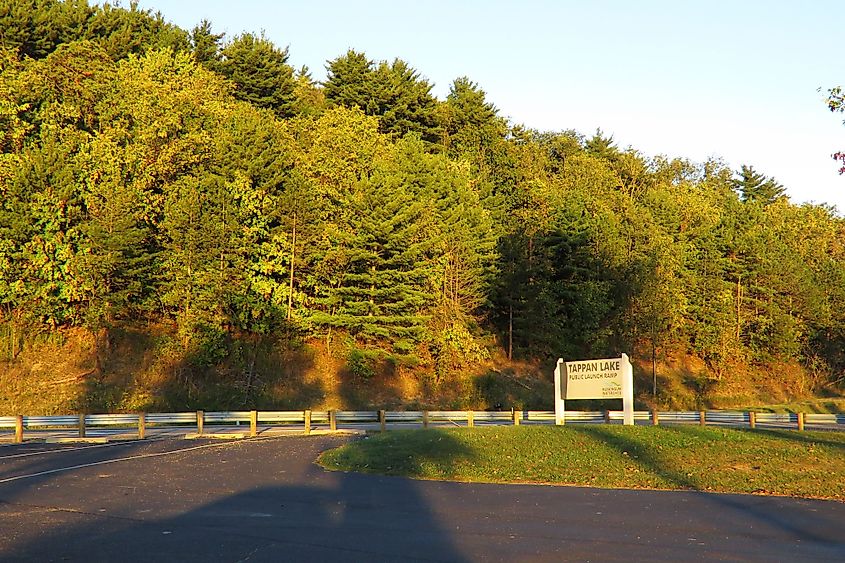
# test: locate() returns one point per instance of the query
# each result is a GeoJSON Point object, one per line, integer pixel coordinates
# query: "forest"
{"type": "Point", "coordinates": [152, 176]}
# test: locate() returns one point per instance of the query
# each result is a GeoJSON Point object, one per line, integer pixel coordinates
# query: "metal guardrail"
{"type": "Point", "coordinates": [415, 417]}
{"type": "Point", "coordinates": [727, 417]}
{"type": "Point", "coordinates": [50, 421]}
{"type": "Point", "coordinates": [111, 419]}
{"type": "Point", "coordinates": [541, 416]}
{"type": "Point", "coordinates": [227, 416]}
{"type": "Point", "coordinates": [817, 418]}
{"type": "Point", "coordinates": [445, 416]}
{"type": "Point", "coordinates": [493, 416]}
{"type": "Point", "coordinates": [281, 417]}
{"type": "Point", "coordinates": [777, 418]}
{"type": "Point", "coordinates": [680, 417]}
{"type": "Point", "coordinates": [356, 416]}
{"type": "Point", "coordinates": [616, 416]}
{"type": "Point", "coordinates": [172, 418]}
{"type": "Point", "coordinates": [407, 418]}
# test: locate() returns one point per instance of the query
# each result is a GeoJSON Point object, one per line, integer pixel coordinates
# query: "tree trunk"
{"type": "Point", "coordinates": [292, 259]}
{"type": "Point", "coordinates": [251, 372]}
{"type": "Point", "coordinates": [653, 365]}
{"type": "Point", "coordinates": [510, 332]}
{"type": "Point", "coordinates": [738, 308]}
{"type": "Point", "coordinates": [222, 248]}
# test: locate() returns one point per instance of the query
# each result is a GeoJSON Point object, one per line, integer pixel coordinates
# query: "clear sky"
{"type": "Point", "coordinates": [733, 79]}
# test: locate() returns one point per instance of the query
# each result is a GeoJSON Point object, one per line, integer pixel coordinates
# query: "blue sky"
{"type": "Point", "coordinates": [737, 80]}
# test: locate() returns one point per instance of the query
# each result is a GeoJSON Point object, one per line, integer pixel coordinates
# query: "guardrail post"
{"type": "Point", "coordinates": [307, 422]}
{"type": "Point", "coordinates": [19, 429]}
{"type": "Point", "coordinates": [382, 420]}
{"type": "Point", "coordinates": [82, 425]}
{"type": "Point", "coordinates": [517, 415]}
{"type": "Point", "coordinates": [142, 426]}
{"type": "Point", "coordinates": [800, 421]}
{"type": "Point", "coordinates": [607, 417]}
{"type": "Point", "coordinates": [253, 423]}
{"type": "Point", "coordinates": [332, 420]}
{"type": "Point", "coordinates": [470, 419]}
{"type": "Point", "coordinates": [200, 422]}
{"type": "Point", "coordinates": [425, 419]}
{"type": "Point", "coordinates": [752, 420]}
{"type": "Point", "coordinates": [655, 418]}
{"type": "Point", "coordinates": [702, 417]}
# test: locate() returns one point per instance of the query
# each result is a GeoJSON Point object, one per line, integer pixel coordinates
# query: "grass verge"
{"type": "Point", "coordinates": [807, 464]}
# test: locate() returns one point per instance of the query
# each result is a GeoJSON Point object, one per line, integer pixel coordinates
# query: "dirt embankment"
{"type": "Point", "coordinates": [147, 369]}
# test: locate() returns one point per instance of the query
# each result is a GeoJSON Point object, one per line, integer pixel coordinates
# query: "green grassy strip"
{"type": "Point", "coordinates": [803, 464]}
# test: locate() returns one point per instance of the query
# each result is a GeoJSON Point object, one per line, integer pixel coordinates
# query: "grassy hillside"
{"type": "Point", "coordinates": [145, 368]}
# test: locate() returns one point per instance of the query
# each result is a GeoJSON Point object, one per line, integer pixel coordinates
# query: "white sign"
{"type": "Point", "coordinates": [595, 379]}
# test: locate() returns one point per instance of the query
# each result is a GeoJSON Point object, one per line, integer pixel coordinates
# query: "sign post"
{"type": "Point", "coordinates": [560, 407]}
{"type": "Point", "coordinates": [611, 378]}
{"type": "Point", "coordinates": [627, 391]}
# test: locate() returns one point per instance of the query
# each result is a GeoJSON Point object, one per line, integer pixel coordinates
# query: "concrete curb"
{"type": "Point", "coordinates": [76, 440]}
{"type": "Point", "coordinates": [219, 436]}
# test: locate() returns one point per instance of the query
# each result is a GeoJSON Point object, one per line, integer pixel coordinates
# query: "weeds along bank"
{"type": "Point", "coordinates": [148, 370]}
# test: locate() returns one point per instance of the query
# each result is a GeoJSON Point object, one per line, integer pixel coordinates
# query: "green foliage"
{"type": "Point", "coordinates": [360, 363]}
{"type": "Point", "coordinates": [35, 28]}
{"type": "Point", "coordinates": [394, 92]}
{"type": "Point", "coordinates": [206, 45]}
{"type": "Point", "coordinates": [309, 98]}
{"type": "Point", "coordinates": [382, 250]}
{"type": "Point", "coordinates": [755, 187]}
{"type": "Point", "coordinates": [453, 347]}
{"type": "Point", "coordinates": [209, 346]}
{"type": "Point", "coordinates": [147, 173]}
{"type": "Point", "coordinates": [347, 81]}
{"type": "Point", "coordinates": [260, 72]}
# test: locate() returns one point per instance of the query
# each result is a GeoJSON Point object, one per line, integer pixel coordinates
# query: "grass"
{"type": "Point", "coordinates": [808, 464]}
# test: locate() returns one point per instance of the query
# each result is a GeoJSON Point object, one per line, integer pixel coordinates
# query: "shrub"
{"type": "Point", "coordinates": [359, 363]}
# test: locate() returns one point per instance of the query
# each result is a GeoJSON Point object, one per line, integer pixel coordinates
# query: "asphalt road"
{"type": "Point", "coordinates": [265, 500]}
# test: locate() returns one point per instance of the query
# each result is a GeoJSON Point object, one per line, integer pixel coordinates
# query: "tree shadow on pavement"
{"type": "Point", "coordinates": [762, 513]}
{"type": "Point", "coordinates": [239, 504]}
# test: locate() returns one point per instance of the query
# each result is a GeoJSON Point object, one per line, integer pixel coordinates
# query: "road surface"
{"type": "Point", "coordinates": [266, 500]}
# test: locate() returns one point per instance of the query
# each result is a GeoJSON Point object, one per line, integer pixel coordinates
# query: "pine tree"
{"type": "Point", "coordinates": [195, 233]}
{"type": "Point", "coordinates": [461, 229]}
{"type": "Point", "coordinates": [115, 266]}
{"type": "Point", "coordinates": [756, 187]}
{"type": "Point", "coordinates": [383, 263]}
{"type": "Point", "coordinates": [206, 45]}
{"type": "Point", "coordinates": [349, 82]}
{"type": "Point", "coordinates": [393, 92]}
{"type": "Point", "coordinates": [472, 124]}
{"type": "Point", "coordinates": [122, 31]}
{"type": "Point", "coordinates": [602, 147]}
{"type": "Point", "coordinates": [35, 28]}
{"type": "Point", "coordinates": [260, 71]}
{"type": "Point", "coordinates": [403, 102]}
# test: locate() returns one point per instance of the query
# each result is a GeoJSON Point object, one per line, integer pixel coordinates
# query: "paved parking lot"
{"type": "Point", "coordinates": [265, 500]}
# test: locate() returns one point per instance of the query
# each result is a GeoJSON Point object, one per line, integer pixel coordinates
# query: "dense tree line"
{"type": "Point", "coordinates": [148, 172]}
